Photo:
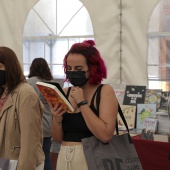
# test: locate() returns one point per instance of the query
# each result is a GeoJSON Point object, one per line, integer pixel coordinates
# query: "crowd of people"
{"type": "Point", "coordinates": [40, 136]}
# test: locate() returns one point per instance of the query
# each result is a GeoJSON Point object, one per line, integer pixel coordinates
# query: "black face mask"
{"type": "Point", "coordinates": [77, 78]}
{"type": "Point", "coordinates": [2, 77]}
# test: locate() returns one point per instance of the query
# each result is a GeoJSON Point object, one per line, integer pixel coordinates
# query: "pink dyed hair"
{"type": "Point", "coordinates": [97, 67]}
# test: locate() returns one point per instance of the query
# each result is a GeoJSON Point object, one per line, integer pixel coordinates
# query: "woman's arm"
{"type": "Point", "coordinates": [57, 112]}
{"type": "Point", "coordinates": [103, 126]}
{"type": "Point", "coordinates": [56, 131]}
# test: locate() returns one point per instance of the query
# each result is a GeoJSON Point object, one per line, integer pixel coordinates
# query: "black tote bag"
{"type": "Point", "coordinates": [118, 154]}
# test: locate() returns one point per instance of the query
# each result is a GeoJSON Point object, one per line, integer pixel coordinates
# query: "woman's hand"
{"type": "Point", "coordinates": [77, 94]}
{"type": "Point", "coordinates": [57, 111]}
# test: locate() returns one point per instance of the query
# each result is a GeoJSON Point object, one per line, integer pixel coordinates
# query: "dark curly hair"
{"type": "Point", "coordinates": [40, 69]}
{"type": "Point", "coordinates": [96, 65]}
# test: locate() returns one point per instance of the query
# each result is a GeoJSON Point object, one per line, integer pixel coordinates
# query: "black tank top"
{"type": "Point", "coordinates": [74, 126]}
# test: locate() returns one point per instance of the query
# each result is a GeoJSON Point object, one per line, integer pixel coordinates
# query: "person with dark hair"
{"type": "Point", "coordinates": [20, 115]}
{"type": "Point", "coordinates": [40, 71]}
{"type": "Point", "coordinates": [95, 105]}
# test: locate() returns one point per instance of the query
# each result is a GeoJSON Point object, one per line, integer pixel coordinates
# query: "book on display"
{"type": "Point", "coordinates": [153, 96]}
{"type": "Point", "coordinates": [129, 113]}
{"type": "Point", "coordinates": [144, 111]}
{"type": "Point", "coordinates": [120, 92]}
{"type": "Point", "coordinates": [134, 94]}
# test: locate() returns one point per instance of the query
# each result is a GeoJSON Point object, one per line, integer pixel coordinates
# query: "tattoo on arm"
{"type": "Point", "coordinates": [105, 123]}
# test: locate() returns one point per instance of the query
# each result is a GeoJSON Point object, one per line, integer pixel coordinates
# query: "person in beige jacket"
{"type": "Point", "coordinates": [20, 116]}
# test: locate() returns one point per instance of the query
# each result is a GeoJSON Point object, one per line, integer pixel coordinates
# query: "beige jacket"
{"type": "Point", "coordinates": [21, 128]}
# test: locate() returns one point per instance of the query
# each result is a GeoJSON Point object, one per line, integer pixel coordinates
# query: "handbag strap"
{"type": "Point", "coordinates": [123, 119]}
{"type": "Point", "coordinates": [125, 123]}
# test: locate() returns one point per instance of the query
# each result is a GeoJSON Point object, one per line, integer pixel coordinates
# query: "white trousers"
{"type": "Point", "coordinates": [71, 158]}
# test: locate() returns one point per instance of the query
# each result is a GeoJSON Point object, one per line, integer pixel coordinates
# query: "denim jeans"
{"type": "Point", "coordinates": [46, 149]}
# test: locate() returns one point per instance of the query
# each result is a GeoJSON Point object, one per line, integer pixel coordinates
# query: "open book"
{"type": "Point", "coordinates": [53, 92]}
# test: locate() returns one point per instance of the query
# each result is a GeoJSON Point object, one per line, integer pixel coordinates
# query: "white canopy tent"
{"type": "Point", "coordinates": [120, 31]}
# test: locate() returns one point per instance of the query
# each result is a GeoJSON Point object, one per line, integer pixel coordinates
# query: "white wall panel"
{"type": "Point", "coordinates": [105, 16]}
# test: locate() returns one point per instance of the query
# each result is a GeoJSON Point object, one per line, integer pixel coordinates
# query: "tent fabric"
{"type": "Point", "coordinates": [121, 38]}
{"type": "Point", "coordinates": [13, 15]}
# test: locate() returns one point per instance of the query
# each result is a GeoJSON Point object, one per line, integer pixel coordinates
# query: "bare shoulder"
{"type": "Point", "coordinates": [107, 88]}
{"type": "Point", "coordinates": [108, 92]}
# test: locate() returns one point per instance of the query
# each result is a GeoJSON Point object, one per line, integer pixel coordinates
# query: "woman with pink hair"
{"type": "Point", "coordinates": [95, 106]}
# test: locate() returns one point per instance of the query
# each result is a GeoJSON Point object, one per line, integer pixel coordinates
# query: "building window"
{"type": "Point", "coordinates": [51, 28]}
{"type": "Point", "coordinates": [159, 47]}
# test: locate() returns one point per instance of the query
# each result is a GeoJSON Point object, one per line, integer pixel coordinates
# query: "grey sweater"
{"type": "Point", "coordinates": [47, 116]}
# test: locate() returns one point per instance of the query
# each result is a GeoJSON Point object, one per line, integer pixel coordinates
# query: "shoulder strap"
{"type": "Point", "coordinates": [97, 94]}
{"type": "Point", "coordinates": [68, 91]}
{"type": "Point", "coordinates": [123, 119]}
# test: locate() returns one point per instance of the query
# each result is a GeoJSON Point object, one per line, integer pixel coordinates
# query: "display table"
{"type": "Point", "coordinates": [152, 154]}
